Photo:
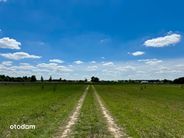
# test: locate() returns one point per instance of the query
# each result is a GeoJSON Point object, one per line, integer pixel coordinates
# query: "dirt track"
{"type": "Point", "coordinates": [73, 118]}
{"type": "Point", "coordinates": [65, 131]}
{"type": "Point", "coordinates": [116, 131]}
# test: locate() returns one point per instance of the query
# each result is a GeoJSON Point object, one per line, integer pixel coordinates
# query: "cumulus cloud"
{"type": "Point", "coordinates": [137, 53]}
{"type": "Point", "coordinates": [18, 55]}
{"type": "Point", "coordinates": [151, 61]}
{"type": "Point", "coordinates": [92, 68]}
{"type": "Point", "coordinates": [108, 64]}
{"type": "Point", "coordinates": [47, 65]}
{"type": "Point", "coordinates": [56, 61]}
{"type": "Point", "coordinates": [7, 63]}
{"type": "Point", "coordinates": [125, 68]}
{"type": "Point", "coordinates": [141, 69]}
{"type": "Point", "coordinates": [78, 62]}
{"type": "Point", "coordinates": [163, 41]}
{"type": "Point", "coordinates": [9, 43]}
{"type": "Point", "coordinates": [54, 67]}
{"type": "Point", "coordinates": [23, 66]}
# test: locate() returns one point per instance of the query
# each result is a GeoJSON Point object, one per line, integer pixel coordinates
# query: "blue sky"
{"type": "Point", "coordinates": [75, 39]}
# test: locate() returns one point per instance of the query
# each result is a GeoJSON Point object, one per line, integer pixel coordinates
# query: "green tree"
{"type": "Point", "coordinates": [95, 79]}
{"type": "Point", "coordinates": [41, 78]}
{"type": "Point", "coordinates": [33, 78]}
{"type": "Point", "coordinates": [50, 79]}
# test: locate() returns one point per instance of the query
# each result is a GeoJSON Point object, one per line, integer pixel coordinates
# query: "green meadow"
{"type": "Point", "coordinates": [146, 110]}
{"type": "Point", "coordinates": [142, 110]}
{"type": "Point", "coordinates": [44, 105]}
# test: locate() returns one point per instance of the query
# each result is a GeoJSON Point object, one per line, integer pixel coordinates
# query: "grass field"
{"type": "Point", "coordinates": [44, 106]}
{"type": "Point", "coordinates": [146, 110]}
{"type": "Point", "coordinates": [142, 110]}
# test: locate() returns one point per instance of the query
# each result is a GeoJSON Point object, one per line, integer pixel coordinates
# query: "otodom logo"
{"type": "Point", "coordinates": [23, 126]}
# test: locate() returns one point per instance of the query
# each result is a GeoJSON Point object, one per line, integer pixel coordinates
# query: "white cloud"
{"type": "Point", "coordinates": [163, 41]}
{"type": "Point", "coordinates": [56, 61]}
{"type": "Point", "coordinates": [137, 53]}
{"type": "Point", "coordinates": [54, 67]}
{"type": "Point", "coordinates": [180, 65]}
{"type": "Point", "coordinates": [9, 43]}
{"type": "Point", "coordinates": [47, 65]}
{"type": "Point", "coordinates": [7, 63]}
{"type": "Point", "coordinates": [23, 66]}
{"type": "Point", "coordinates": [92, 68]}
{"type": "Point", "coordinates": [125, 68]}
{"type": "Point", "coordinates": [168, 69]}
{"type": "Point", "coordinates": [64, 69]}
{"type": "Point", "coordinates": [108, 64]}
{"type": "Point", "coordinates": [151, 61]}
{"type": "Point", "coordinates": [18, 55]}
{"type": "Point", "coordinates": [93, 62]}
{"type": "Point", "coordinates": [78, 62]}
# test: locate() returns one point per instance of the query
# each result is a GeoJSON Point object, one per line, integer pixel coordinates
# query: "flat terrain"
{"type": "Point", "coordinates": [45, 106]}
{"type": "Point", "coordinates": [146, 110]}
{"type": "Point", "coordinates": [91, 122]}
{"type": "Point", "coordinates": [135, 110]}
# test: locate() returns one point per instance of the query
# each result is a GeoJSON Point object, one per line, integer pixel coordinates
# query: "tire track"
{"type": "Point", "coordinates": [73, 118]}
{"type": "Point", "coordinates": [113, 128]}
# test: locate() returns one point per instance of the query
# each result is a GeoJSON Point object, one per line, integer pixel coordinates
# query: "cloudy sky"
{"type": "Point", "coordinates": [75, 39]}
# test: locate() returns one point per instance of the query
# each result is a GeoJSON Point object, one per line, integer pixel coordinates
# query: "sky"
{"type": "Point", "coordinates": [77, 39]}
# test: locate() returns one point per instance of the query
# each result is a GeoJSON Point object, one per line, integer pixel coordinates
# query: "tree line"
{"type": "Point", "coordinates": [4, 78]}
{"type": "Point", "coordinates": [18, 79]}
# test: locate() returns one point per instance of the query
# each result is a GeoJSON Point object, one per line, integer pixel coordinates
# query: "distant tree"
{"type": "Point", "coordinates": [50, 79]}
{"type": "Point", "coordinates": [179, 81]}
{"type": "Point", "coordinates": [25, 78]}
{"type": "Point", "coordinates": [86, 80]}
{"type": "Point", "coordinates": [33, 78]}
{"type": "Point", "coordinates": [95, 79]}
{"type": "Point", "coordinates": [7, 78]}
{"type": "Point", "coordinates": [41, 78]}
{"type": "Point", "coordinates": [60, 79]}
{"type": "Point", "coordinates": [19, 79]}
{"type": "Point", "coordinates": [2, 77]}
{"type": "Point", "coordinates": [167, 81]}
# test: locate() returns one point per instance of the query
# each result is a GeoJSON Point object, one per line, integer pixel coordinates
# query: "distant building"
{"type": "Point", "coordinates": [144, 82]}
